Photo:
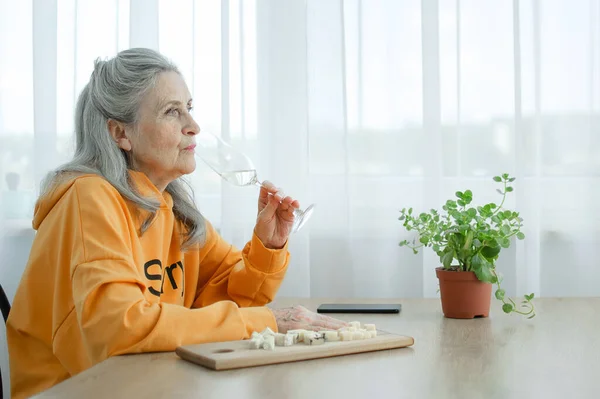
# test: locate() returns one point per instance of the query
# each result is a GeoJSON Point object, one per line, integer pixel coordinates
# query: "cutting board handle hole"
{"type": "Point", "coordinates": [223, 351]}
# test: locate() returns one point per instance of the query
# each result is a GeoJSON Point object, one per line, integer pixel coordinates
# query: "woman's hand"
{"type": "Point", "coordinates": [300, 318]}
{"type": "Point", "coordinates": [275, 216]}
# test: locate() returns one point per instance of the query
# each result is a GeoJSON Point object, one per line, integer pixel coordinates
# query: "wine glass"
{"type": "Point", "coordinates": [236, 168]}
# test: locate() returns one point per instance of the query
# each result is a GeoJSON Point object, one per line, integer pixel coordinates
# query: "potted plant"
{"type": "Point", "coordinates": [468, 241]}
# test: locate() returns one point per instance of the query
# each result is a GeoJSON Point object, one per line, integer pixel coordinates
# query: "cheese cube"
{"type": "Point", "coordinates": [331, 336]}
{"type": "Point", "coordinates": [314, 338]}
{"type": "Point", "coordinates": [355, 324]}
{"type": "Point", "coordinates": [267, 331]}
{"type": "Point", "coordinates": [346, 335]}
{"type": "Point", "coordinates": [370, 327]}
{"type": "Point", "coordinates": [279, 339]}
{"type": "Point", "coordinates": [290, 339]}
{"type": "Point", "coordinates": [269, 343]}
{"type": "Point", "coordinates": [300, 334]}
{"type": "Point", "coordinates": [357, 335]}
{"type": "Point", "coordinates": [373, 333]}
{"type": "Point", "coordinates": [256, 343]}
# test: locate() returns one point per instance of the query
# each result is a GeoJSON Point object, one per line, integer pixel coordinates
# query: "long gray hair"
{"type": "Point", "coordinates": [115, 90]}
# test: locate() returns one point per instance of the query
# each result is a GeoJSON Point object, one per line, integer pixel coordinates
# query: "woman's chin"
{"type": "Point", "coordinates": [189, 168]}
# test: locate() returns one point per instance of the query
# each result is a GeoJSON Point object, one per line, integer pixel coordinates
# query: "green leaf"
{"type": "Point", "coordinates": [509, 189]}
{"type": "Point", "coordinates": [497, 179]}
{"type": "Point", "coordinates": [468, 193]}
{"type": "Point", "coordinates": [505, 229]}
{"type": "Point", "coordinates": [468, 240]}
{"type": "Point", "coordinates": [490, 252]}
{"type": "Point", "coordinates": [461, 202]}
{"type": "Point", "coordinates": [507, 308]}
{"type": "Point", "coordinates": [520, 236]}
{"type": "Point", "coordinates": [529, 297]}
{"type": "Point", "coordinates": [507, 214]}
{"type": "Point", "coordinates": [505, 176]}
{"type": "Point", "coordinates": [482, 269]}
{"type": "Point", "coordinates": [512, 179]}
{"type": "Point", "coordinates": [472, 212]}
{"type": "Point", "coordinates": [500, 294]}
{"type": "Point", "coordinates": [424, 240]}
{"type": "Point", "coordinates": [415, 251]}
{"type": "Point", "coordinates": [485, 274]}
{"type": "Point", "coordinates": [499, 191]}
{"type": "Point", "coordinates": [447, 259]}
{"type": "Point", "coordinates": [459, 194]}
{"type": "Point", "coordinates": [410, 210]}
{"type": "Point", "coordinates": [504, 242]}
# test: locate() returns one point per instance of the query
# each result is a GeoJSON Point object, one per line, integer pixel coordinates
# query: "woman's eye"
{"type": "Point", "coordinates": [173, 112]}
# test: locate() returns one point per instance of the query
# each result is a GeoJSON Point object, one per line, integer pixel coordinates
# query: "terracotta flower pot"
{"type": "Point", "coordinates": [463, 295]}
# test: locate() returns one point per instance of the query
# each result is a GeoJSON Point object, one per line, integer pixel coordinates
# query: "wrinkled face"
{"type": "Point", "coordinates": [162, 141]}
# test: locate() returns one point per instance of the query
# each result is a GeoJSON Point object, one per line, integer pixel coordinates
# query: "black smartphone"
{"type": "Point", "coordinates": [359, 308]}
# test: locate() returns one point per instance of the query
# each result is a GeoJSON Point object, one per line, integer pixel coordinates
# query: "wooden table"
{"type": "Point", "coordinates": [555, 355]}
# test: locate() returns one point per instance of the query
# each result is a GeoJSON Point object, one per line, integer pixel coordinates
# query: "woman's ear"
{"type": "Point", "coordinates": [117, 131]}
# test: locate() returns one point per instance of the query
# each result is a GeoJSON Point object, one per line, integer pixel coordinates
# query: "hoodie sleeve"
{"type": "Point", "coordinates": [108, 292]}
{"type": "Point", "coordinates": [250, 277]}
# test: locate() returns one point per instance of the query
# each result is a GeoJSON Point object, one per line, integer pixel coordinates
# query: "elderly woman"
{"type": "Point", "coordinates": [123, 261]}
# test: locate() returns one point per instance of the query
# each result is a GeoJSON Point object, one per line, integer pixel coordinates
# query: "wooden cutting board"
{"type": "Point", "coordinates": [237, 354]}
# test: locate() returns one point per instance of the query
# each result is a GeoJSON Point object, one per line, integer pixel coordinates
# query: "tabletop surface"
{"type": "Point", "coordinates": [554, 355]}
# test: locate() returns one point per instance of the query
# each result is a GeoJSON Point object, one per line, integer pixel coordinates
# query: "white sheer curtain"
{"type": "Point", "coordinates": [361, 106]}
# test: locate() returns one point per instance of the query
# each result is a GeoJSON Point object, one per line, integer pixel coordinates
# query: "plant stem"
{"type": "Point", "coordinates": [502, 203]}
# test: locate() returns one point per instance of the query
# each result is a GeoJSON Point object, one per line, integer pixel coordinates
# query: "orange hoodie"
{"type": "Point", "coordinates": [93, 288]}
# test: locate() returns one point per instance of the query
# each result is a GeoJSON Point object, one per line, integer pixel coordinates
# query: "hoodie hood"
{"type": "Point", "coordinates": [48, 201]}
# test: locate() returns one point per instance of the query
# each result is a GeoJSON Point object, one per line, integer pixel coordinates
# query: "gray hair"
{"type": "Point", "coordinates": [115, 90]}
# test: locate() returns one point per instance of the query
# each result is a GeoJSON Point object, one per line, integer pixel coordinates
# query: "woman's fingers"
{"type": "Point", "coordinates": [330, 324]}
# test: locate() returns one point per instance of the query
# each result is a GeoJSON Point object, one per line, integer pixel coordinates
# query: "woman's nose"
{"type": "Point", "coordinates": [192, 128]}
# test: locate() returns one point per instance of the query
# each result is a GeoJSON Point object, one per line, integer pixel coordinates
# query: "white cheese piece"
{"type": "Point", "coordinates": [256, 343]}
{"type": "Point", "coordinates": [290, 339]}
{"type": "Point", "coordinates": [314, 338]}
{"type": "Point", "coordinates": [331, 336]}
{"type": "Point", "coordinates": [373, 333]}
{"type": "Point", "coordinates": [355, 324]}
{"type": "Point", "coordinates": [300, 334]}
{"type": "Point", "coordinates": [267, 331]}
{"type": "Point", "coordinates": [269, 343]}
{"type": "Point", "coordinates": [294, 336]}
{"type": "Point", "coordinates": [370, 327]}
{"type": "Point", "coordinates": [346, 335]}
{"type": "Point", "coordinates": [279, 339]}
{"type": "Point", "coordinates": [368, 334]}
{"type": "Point", "coordinates": [352, 329]}
{"type": "Point", "coordinates": [357, 335]}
